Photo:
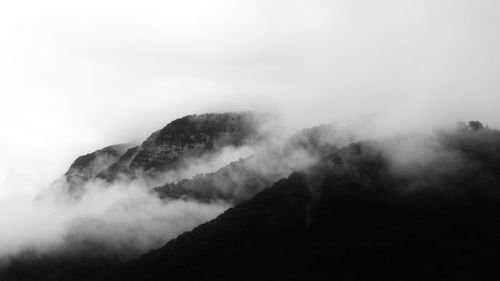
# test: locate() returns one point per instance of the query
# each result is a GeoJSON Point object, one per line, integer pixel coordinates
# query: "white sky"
{"type": "Point", "coordinates": [79, 75]}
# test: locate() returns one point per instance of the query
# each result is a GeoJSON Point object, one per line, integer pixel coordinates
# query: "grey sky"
{"type": "Point", "coordinates": [76, 76]}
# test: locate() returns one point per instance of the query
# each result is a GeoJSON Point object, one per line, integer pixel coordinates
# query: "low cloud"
{"type": "Point", "coordinates": [122, 220]}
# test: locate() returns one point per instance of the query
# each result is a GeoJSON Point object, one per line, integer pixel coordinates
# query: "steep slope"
{"type": "Point", "coordinates": [194, 136]}
{"type": "Point", "coordinates": [233, 183]}
{"type": "Point", "coordinates": [376, 210]}
{"type": "Point", "coordinates": [113, 171]}
{"type": "Point", "coordinates": [88, 166]}
{"type": "Point", "coordinates": [187, 138]}
{"type": "Point", "coordinates": [244, 178]}
{"type": "Point", "coordinates": [254, 239]}
{"type": "Point", "coordinates": [353, 217]}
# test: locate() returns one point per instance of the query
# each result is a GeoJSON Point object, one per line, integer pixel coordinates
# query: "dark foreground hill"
{"type": "Point", "coordinates": [354, 216]}
{"type": "Point", "coordinates": [408, 208]}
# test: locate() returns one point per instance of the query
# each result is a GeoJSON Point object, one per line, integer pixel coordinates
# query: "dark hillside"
{"type": "Point", "coordinates": [367, 211]}
{"type": "Point", "coordinates": [351, 218]}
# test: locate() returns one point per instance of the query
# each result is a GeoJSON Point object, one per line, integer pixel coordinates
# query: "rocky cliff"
{"type": "Point", "coordinates": [194, 136]}
{"type": "Point", "coordinates": [88, 166]}
{"type": "Point", "coordinates": [181, 140]}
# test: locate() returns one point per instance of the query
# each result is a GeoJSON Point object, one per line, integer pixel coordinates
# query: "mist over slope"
{"type": "Point", "coordinates": [91, 216]}
{"type": "Point", "coordinates": [407, 207]}
{"type": "Point", "coordinates": [358, 214]}
{"type": "Point", "coordinates": [242, 179]}
{"type": "Point", "coordinates": [103, 208]}
{"type": "Point", "coordinates": [77, 77]}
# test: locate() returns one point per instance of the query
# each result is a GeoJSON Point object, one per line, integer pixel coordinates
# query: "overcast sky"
{"type": "Point", "coordinates": [79, 75]}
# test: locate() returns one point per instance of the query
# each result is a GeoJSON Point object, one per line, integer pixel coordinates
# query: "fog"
{"type": "Point", "coordinates": [121, 220]}
{"type": "Point", "coordinates": [76, 77]}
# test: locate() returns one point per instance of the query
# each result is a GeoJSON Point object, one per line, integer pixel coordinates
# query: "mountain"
{"type": "Point", "coordinates": [406, 208]}
{"type": "Point", "coordinates": [88, 166]}
{"type": "Point", "coordinates": [119, 167]}
{"type": "Point", "coordinates": [184, 139]}
{"type": "Point", "coordinates": [242, 179]}
{"type": "Point", "coordinates": [192, 137]}
{"type": "Point", "coordinates": [233, 184]}
{"type": "Point", "coordinates": [353, 216]}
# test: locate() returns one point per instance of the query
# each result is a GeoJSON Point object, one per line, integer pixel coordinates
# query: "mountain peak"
{"type": "Point", "coordinates": [184, 139]}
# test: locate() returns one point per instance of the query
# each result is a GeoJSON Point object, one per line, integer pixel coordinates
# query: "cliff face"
{"type": "Point", "coordinates": [183, 139]}
{"type": "Point", "coordinates": [119, 167]}
{"type": "Point", "coordinates": [193, 136]}
{"type": "Point", "coordinates": [88, 166]}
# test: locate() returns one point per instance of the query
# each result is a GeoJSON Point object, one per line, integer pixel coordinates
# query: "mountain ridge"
{"type": "Point", "coordinates": [188, 137]}
{"type": "Point", "coordinates": [404, 208]}
{"type": "Point", "coordinates": [354, 218]}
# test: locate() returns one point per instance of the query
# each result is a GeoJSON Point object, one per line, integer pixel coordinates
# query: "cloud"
{"type": "Point", "coordinates": [125, 218]}
{"type": "Point", "coordinates": [122, 220]}
{"type": "Point", "coordinates": [78, 76]}
{"type": "Point", "coordinates": [207, 164]}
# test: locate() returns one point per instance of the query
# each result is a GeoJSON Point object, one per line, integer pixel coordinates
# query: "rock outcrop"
{"type": "Point", "coordinates": [182, 140]}
{"type": "Point", "coordinates": [88, 166]}
{"type": "Point", "coordinates": [119, 167]}
{"type": "Point", "coordinates": [194, 136]}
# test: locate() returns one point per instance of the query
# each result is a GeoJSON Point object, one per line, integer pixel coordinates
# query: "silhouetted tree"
{"type": "Point", "coordinates": [476, 125]}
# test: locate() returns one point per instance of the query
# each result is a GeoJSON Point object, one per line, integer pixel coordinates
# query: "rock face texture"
{"type": "Point", "coordinates": [184, 139]}
{"type": "Point", "coordinates": [193, 136]}
{"type": "Point", "coordinates": [119, 167]}
{"type": "Point", "coordinates": [88, 166]}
